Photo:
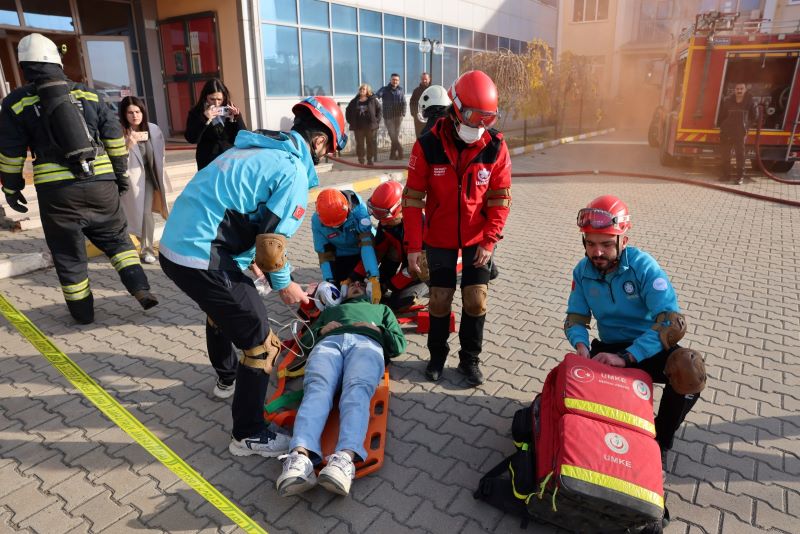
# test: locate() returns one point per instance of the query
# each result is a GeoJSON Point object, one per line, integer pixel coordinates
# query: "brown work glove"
{"type": "Point", "coordinates": [686, 371]}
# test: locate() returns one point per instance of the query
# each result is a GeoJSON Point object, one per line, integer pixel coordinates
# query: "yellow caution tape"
{"type": "Point", "coordinates": [123, 418]}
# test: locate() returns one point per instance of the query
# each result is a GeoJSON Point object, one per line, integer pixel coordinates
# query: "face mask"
{"type": "Point", "coordinates": [468, 134]}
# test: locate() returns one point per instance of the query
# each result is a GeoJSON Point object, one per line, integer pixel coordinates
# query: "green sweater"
{"type": "Point", "coordinates": [360, 310]}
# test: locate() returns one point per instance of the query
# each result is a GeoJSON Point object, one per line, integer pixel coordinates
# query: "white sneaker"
{"type": "Point", "coordinates": [337, 476]}
{"type": "Point", "coordinates": [223, 390]}
{"type": "Point", "coordinates": [148, 258]}
{"type": "Point", "coordinates": [267, 444]}
{"type": "Point", "coordinates": [297, 476]}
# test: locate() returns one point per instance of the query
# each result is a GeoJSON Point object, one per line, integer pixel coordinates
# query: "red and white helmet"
{"type": "Point", "coordinates": [474, 97]}
{"type": "Point", "coordinates": [605, 215]}
{"type": "Point", "coordinates": [384, 204]}
{"type": "Point", "coordinates": [327, 111]}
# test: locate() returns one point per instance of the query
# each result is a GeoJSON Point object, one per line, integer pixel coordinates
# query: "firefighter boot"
{"type": "Point", "coordinates": [135, 281]}
{"type": "Point", "coordinates": [145, 298]}
{"type": "Point", "coordinates": [82, 310]}
{"type": "Point", "coordinates": [470, 334]}
{"type": "Point", "coordinates": [437, 346]}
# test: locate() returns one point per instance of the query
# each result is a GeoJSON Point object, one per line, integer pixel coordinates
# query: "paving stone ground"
{"type": "Point", "coordinates": [735, 467]}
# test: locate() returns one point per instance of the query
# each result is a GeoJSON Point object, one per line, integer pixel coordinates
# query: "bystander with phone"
{"type": "Point", "coordinates": [213, 122]}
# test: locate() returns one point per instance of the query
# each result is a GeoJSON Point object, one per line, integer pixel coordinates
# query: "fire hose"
{"type": "Point", "coordinates": [758, 151]}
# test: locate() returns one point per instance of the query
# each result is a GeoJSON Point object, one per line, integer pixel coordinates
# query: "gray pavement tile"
{"type": "Point", "coordinates": [52, 520]}
{"type": "Point", "coordinates": [26, 500]}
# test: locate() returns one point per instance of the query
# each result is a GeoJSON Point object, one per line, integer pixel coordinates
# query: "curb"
{"type": "Point", "coordinates": [23, 263]}
{"type": "Point", "coordinates": [555, 142]}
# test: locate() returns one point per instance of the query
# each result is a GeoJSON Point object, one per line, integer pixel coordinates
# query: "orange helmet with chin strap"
{"type": "Point", "coordinates": [332, 208]}
{"type": "Point", "coordinates": [384, 204]}
{"type": "Point", "coordinates": [605, 215]}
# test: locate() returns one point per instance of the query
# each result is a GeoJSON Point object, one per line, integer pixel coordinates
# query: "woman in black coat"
{"type": "Point", "coordinates": [363, 113]}
{"type": "Point", "coordinates": [213, 123]}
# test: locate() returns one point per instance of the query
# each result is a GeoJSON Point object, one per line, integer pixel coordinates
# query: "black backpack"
{"type": "Point", "coordinates": [62, 116]}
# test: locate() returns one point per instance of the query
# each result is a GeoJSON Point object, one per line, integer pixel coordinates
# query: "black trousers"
{"type": "Point", "coordinates": [726, 144]}
{"type": "Point", "coordinates": [674, 407]}
{"type": "Point", "coordinates": [232, 302]}
{"type": "Point", "coordinates": [87, 209]}
{"type": "Point", "coordinates": [366, 145]}
{"type": "Point", "coordinates": [442, 264]}
{"type": "Point", "coordinates": [393, 129]}
{"type": "Point", "coordinates": [343, 267]}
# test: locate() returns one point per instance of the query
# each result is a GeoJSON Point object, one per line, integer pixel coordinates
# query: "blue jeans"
{"type": "Point", "coordinates": [354, 362]}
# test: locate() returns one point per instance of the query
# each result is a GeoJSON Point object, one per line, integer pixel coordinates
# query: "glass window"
{"type": "Point", "coordinates": [393, 26]}
{"type": "Point", "coordinates": [316, 63]}
{"type": "Point", "coordinates": [436, 70]}
{"type": "Point", "coordinates": [450, 66]}
{"type": "Point", "coordinates": [8, 13]}
{"type": "Point", "coordinates": [99, 17]}
{"type": "Point", "coordinates": [370, 21]}
{"type": "Point", "coordinates": [505, 43]}
{"type": "Point", "coordinates": [523, 47]}
{"type": "Point", "coordinates": [465, 60]}
{"type": "Point", "coordinates": [280, 10]}
{"type": "Point", "coordinates": [50, 15]}
{"type": "Point", "coordinates": [450, 35]}
{"type": "Point", "coordinates": [413, 29]}
{"type": "Point", "coordinates": [281, 60]}
{"type": "Point", "coordinates": [577, 11]}
{"type": "Point", "coordinates": [465, 38]}
{"type": "Point", "coordinates": [433, 31]}
{"type": "Point", "coordinates": [345, 64]}
{"type": "Point", "coordinates": [394, 53]}
{"type": "Point", "coordinates": [372, 62]}
{"type": "Point", "coordinates": [344, 17]}
{"type": "Point", "coordinates": [108, 61]}
{"type": "Point", "coordinates": [314, 13]}
{"type": "Point", "coordinates": [414, 62]}
{"type": "Point", "coordinates": [491, 42]}
{"type": "Point", "coordinates": [590, 11]}
{"type": "Point", "coordinates": [602, 9]}
{"type": "Point", "coordinates": [479, 40]}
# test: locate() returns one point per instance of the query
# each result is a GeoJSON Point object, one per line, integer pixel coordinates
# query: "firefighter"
{"type": "Point", "coordinates": [343, 237]}
{"type": "Point", "coordinates": [79, 171]}
{"type": "Point", "coordinates": [460, 173]}
{"type": "Point", "coordinates": [737, 114]}
{"type": "Point", "coordinates": [403, 289]}
{"type": "Point", "coordinates": [248, 201]}
{"type": "Point", "coordinates": [638, 319]}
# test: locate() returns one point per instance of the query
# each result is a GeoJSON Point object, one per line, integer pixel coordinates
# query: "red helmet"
{"type": "Point", "coordinates": [332, 207]}
{"type": "Point", "coordinates": [605, 215]}
{"type": "Point", "coordinates": [474, 97]}
{"type": "Point", "coordinates": [326, 111]}
{"type": "Point", "coordinates": [385, 201]}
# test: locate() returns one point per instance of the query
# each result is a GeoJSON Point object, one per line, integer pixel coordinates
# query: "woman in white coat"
{"type": "Point", "coordinates": [149, 181]}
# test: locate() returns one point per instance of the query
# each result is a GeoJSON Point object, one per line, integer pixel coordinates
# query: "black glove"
{"type": "Point", "coordinates": [15, 200]}
{"type": "Point", "coordinates": [123, 184]}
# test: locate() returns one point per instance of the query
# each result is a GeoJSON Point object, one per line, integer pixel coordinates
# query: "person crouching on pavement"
{"type": "Point", "coordinates": [352, 344]}
{"type": "Point", "coordinates": [638, 319]}
{"type": "Point", "coordinates": [343, 237]}
{"type": "Point", "coordinates": [460, 174]}
{"type": "Point", "coordinates": [247, 202]}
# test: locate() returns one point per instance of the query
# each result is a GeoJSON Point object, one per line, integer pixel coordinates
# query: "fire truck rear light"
{"type": "Point", "coordinates": [794, 154]}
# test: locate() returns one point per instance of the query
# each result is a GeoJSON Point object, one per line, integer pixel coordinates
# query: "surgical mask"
{"type": "Point", "coordinates": [468, 134]}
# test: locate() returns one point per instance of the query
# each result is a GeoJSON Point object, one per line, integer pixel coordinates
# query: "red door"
{"type": "Point", "coordinates": [190, 57]}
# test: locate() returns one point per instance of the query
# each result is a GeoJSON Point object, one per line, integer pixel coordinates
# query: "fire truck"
{"type": "Point", "coordinates": [710, 58]}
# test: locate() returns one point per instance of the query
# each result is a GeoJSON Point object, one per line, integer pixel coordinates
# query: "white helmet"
{"type": "Point", "coordinates": [327, 294]}
{"type": "Point", "coordinates": [36, 47]}
{"type": "Point", "coordinates": [435, 95]}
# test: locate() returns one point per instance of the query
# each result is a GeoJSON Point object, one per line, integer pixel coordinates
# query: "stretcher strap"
{"type": "Point", "coordinates": [287, 399]}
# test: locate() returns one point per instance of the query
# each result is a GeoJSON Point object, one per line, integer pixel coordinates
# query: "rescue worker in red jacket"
{"type": "Point", "coordinates": [461, 175]}
{"type": "Point", "coordinates": [403, 289]}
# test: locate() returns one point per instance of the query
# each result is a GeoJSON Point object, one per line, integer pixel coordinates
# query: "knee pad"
{"type": "Point", "coordinates": [671, 327]}
{"type": "Point", "coordinates": [686, 371]}
{"type": "Point", "coordinates": [441, 301]}
{"type": "Point", "coordinates": [262, 356]}
{"type": "Point", "coordinates": [474, 298]}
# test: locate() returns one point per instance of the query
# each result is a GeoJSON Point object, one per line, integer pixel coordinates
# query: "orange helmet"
{"type": "Point", "coordinates": [332, 207]}
{"type": "Point", "coordinates": [384, 204]}
{"type": "Point", "coordinates": [474, 97]}
{"type": "Point", "coordinates": [327, 111]}
{"type": "Point", "coordinates": [605, 215]}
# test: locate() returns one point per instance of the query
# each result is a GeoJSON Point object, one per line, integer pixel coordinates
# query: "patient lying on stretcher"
{"type": "Point", "coordinates": [352, 342]}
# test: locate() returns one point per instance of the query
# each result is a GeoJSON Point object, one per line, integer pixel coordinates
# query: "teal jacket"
{"type": "Point", "coordinates": [358, 310]}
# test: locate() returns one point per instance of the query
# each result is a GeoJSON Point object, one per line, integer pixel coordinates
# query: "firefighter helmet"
{"type": "Point", "coordinates": [38, 48]}
{"type": "Point", "coordinates": [433, 96]}
{"type": "Point", "coordinates": [326, 111]}
{"type": "Point", "coordinates": [605, 215]}
{"type": "Point", "coordinates": [384, 204]}
{"type": "Point", "coordinates": [474, 97]}
{"type": "Point", "coordinates": [332, 207]}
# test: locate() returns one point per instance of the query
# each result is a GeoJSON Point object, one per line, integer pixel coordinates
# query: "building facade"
{"type": "Point", "coordinates": [269, 53]}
